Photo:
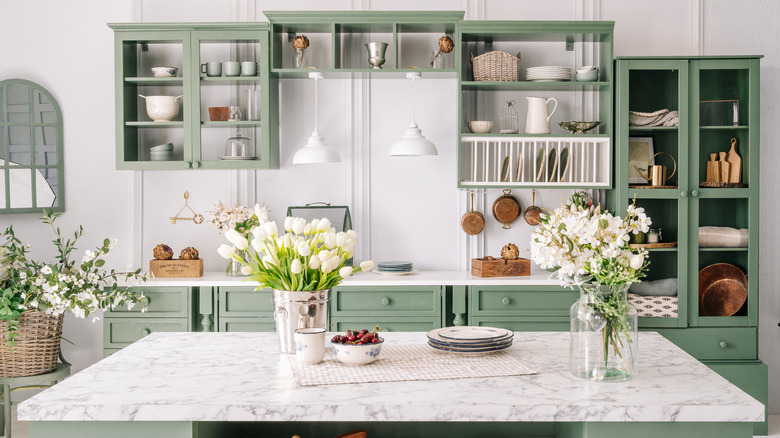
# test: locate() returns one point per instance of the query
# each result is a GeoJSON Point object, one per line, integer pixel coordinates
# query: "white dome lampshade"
{"type": "Point", "coordinates": [316, 150]}
{"type": "Point", "coordinates": [413, 143]}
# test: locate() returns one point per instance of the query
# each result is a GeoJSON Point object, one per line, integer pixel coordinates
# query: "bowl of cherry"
{"type": "Point", "coordinates": [357, 347]}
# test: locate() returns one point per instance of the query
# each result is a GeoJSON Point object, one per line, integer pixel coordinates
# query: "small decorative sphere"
{"type": "Point", "coordinates": [510, 252]}
{"type": "Point", "coordinates": [445, 44]}
{"type": "Point", "coordinates": [163, 252]}
{"type": "Point", "coordinates": [300, 42]}
{"type": "Point", "coordinates": [189, 253]}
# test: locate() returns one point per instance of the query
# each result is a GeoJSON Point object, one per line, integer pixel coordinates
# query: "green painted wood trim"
{"type": "Point", "coordinates": [114, 429]}
{"type": "Point", "coordinates": [672, 429]}
{"type": "Point", "coordinates": [165, 26]}
{"type": "Point", "coordinates": [459, 304]}
{"type": "Point", "coordinates": [751, 377]}
{"type": "Point", "coordinates": [687, 58]}
{"type": "Point", "coordinates": [538, 27]}
{"type": "Point", "coordinates": [362, 17]}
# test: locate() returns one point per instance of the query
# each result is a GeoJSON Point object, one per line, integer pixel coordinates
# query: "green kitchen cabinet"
{"type": "Point", "coordinates": [502, 158]}
{"type": "Point", "coordinates": [337, 41]}
{"type": "Point", "coordinates": [521, 308]}
{"type": "Point", "coordinates": [169, 309]}
{"type": "Point", "coordinates": [394, 308]}
{"type": "Point", "coordinates": [197, 141]}
{"type": "Point", "coordinates": [718, 100]}
{"type": "Point", "coordinates": [242, 309]}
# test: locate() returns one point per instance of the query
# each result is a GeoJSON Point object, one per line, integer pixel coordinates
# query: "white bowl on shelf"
{"type": "Point", "coordinates": [162, 108]}
{"type": "Point", "coordinates": [164, 72]}
{"type": "Point", "coordinates": [480, 126]}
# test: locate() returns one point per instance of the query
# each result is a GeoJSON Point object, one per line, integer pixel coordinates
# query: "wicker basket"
{"type": "Point", "coordinates": [37, 345]}
{"type": "Point", "coordinates": [496, 66]}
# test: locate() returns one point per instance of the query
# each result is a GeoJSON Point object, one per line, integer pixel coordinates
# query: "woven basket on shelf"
{"type": "Point", "coordinates": [37, 345]}
{"type": "Point", "coordinates": [496, 66]}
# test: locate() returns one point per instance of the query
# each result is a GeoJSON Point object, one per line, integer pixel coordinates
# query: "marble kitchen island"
{"type": "Point", "coordinates": [238, 385]}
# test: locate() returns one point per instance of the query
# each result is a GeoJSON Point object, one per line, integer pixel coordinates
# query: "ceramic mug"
{"type": "Point", "coordinates": [211, 68]}
{"type": "Point", "coordinates": [309, 345]}
{"type": "Point", "coordinates": [232, 68]}
{"type": "Point", "coordinates": [248, 68]}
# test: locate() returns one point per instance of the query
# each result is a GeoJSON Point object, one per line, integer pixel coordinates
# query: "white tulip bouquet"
{"type": "Point", "coordinates": [308, 257]}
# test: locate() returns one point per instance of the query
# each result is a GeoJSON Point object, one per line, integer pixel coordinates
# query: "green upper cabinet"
{"type": "Point", "coordinates": [199, 139]}
{"type": "Point", "coordinates": [337, 41]}
{"type": "Point", "coordinates": [550, 53]}
{"type": "Point", "coordinates": [717, 100]}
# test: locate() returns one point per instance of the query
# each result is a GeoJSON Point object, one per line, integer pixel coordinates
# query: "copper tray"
{"type": "Point", "coordinates": [722, 290]}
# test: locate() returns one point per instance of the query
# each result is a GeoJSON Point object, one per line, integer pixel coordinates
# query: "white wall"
{"type": "Point", "coordinates": [402, 207]}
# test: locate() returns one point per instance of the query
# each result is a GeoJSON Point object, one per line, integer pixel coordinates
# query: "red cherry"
{"type": "Point", "coordinates": [335, 339]}
{"type": "Point", "coordinates": [351, 337]}
{"type": "Point", "coordinates": [364, 331]}
{"type": "Point", "coordinates": [375, 340]}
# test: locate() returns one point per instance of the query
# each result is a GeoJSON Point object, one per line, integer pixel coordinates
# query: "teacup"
{"type": "Point", "coordinates": [248, 68]}
{"type": "Point", "coordinates": [232, 68]}
{"type": "Point", "coordinates": [309, 345]}
{"type": "Point", "coordinates": [211, 68]}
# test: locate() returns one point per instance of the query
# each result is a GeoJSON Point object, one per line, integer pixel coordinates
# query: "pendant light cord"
{"type": "Point", "coordinates": [316, 94]}
{"type": "Point", "coordinates": [413, 101]}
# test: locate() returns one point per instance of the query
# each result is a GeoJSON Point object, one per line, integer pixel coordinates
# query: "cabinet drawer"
{"type": "Point", "coordinates": [247, 325]}
{"type": "Point", "coordinates": [163, 302]}
{"type": "Point", "coordinates": [245, 302]}
{"type": "Point", "coordinates": [716, 343]}
{"type": "Point", "coordinates": [121, 332]}
{"type": "Point", "coordinates": [387, 325]}
{"type": "Point", "coordinates": [412, 301]}
{"type": "Point", "coordinates": [539, 301]}
{"type": "Point", "coordinates": [525, 324]}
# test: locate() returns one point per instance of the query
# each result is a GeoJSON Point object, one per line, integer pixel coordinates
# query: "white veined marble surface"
{"type": "Point", "coordinates": [243, 377]}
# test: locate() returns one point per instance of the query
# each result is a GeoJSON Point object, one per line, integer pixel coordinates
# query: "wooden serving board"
{"type": "Point", "coordinates": [500, 267]}
{"type": "Point", "coordinates": [722, 185]}
{"type": "Point", "coordinates": [650, 187]}
{"type": "Point", "coordinates": [653, 245]}
{"type": "Point", "coordinates": [176, 268]}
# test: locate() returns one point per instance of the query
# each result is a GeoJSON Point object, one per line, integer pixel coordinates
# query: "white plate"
{"type": "Point", "coordinates": [473, 333]}
{"type": "Point", "coordinates": [395, 272]}
{"type": "Point", "coordinates": [465, 346]}
{"type": "Point", "coordinates": [229, 158]}
{"type": "Point", "coordinates": [433, 336]}
{"type": "Point", "coordinates": [468, 352]}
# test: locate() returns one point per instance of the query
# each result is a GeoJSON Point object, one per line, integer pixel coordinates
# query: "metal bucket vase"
{"type": "Point", "coordinates": [298, 309]}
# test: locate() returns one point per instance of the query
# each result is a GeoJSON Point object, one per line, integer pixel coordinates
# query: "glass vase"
{"type": "Point", "coordinates": [300, 59]}
{"type": "Point", "coordinates": [234, 268]}
{"type": "Point", "coordinates": [604, 343]}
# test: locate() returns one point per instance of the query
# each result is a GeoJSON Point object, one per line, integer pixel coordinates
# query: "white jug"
{"type": "Point", "coordinates": [538, 121]}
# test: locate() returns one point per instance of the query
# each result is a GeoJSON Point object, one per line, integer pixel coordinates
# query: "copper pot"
{"type": "Point", "coordinates": [472, 221]}
{"type": "Point", "coordinates": [531, 213]}
{"type": "Point", "coordinates": [722, 290]}
{"type": "Point", "coordinates": [506, 209]}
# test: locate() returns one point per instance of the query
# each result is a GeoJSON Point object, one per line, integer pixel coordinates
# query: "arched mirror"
{"type": "Point", "coordinates": [31, 176]}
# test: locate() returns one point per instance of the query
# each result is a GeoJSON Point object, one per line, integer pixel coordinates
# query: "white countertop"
{"type": "Point", "coordinates": [418, 278]}
{"type": "Point", "coordinates": [243, 377]}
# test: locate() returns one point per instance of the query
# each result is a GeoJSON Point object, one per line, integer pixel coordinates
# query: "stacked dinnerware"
{"type": "Point", "coordinates": [163, 152]}
{"type": "Point", "coordinates": [548, 73]}
{"type": "Point", "coordinates": [464, 340]}
{"type": "Point", "coordinates": [394, 267]}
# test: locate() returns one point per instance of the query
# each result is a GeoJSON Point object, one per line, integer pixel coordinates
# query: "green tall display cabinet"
{"type": "Point", "coordinates": [717, 105]}
{"type": "Point", "coordinates": [199, 138]}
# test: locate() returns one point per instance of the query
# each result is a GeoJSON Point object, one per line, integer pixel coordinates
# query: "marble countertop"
{"type": "Point", "coordinates": [418, 278]}
{"type": "Point", "coordinates": [242, 377]}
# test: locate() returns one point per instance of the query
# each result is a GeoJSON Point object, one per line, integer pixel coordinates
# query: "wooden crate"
{"type": "Point", "coordinates": [500, 267]}
{"type": "Point", "coordinates": [176, 268]}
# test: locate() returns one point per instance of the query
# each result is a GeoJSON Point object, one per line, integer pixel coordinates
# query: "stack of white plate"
{"type": "Point", "coordinates": [398, 268]}
{"type": "Point", "coordinates": [548, 73]}
{"type": "Point", "coordinates": [464, 340]}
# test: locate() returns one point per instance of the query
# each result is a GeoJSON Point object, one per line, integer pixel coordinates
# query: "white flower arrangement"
{"type": "Point", "coordinates": [582, 243]}
{"type": "Point", "coordinates": [309, 256]}
{"type": "Point", "coordinates": [224, 218]}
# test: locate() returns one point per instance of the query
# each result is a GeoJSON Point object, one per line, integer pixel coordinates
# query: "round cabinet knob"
{"type": "Point", "coordinates": [683, 194]}
{"type": "Point", "coordinates": [187, 164]}
{"type": "Point", "coordinates": [385, 301]}
{"type": "Point", "coordinates": [723, 344]}
{"type": "Point", "coordinates": [195, 164]}
{"type": "Point", "coordinates": [505, 301]}
{"type": "Point", "coordinates": [146, 332]}
{"type": "Point", "coordinates": [695, 193]}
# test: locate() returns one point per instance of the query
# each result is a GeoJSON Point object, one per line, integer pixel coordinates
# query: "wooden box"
{"type": "Point", "coordinates": [500, 267]}
{"type": "Point", "coordinates": [176, 268]}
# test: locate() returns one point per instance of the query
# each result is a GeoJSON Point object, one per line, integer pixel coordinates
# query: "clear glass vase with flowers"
{"type": "Point", "coordinates": [588, 247]}
{"type": "Point", "coordinates": [236, 220]}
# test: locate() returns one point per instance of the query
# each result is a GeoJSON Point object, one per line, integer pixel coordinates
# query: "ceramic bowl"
{"type": "Point", "coordinates": [480, 126]}
{"type": "Point", "coordinates": [578, 127]}
{"type": "Point", "coordinates": [162, 108]}
{"type": "Point", "coordinates": [164, 72]}
{"type": "Point", "coordinates": [591, 76]}
{"type": "Point", "coordinates": [357, 354]}
{"type": "Point", "coordinates": [587, 68]}
{"type": "Point", "coordinates": [162, 148]}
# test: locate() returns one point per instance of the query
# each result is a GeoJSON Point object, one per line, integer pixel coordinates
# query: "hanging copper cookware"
{"type": "Point", "coordinates": [506, 209]}
{"type": "Point", "coordinates": [472, 221]}
{"type": "Point", "coordinates": [531, 213]}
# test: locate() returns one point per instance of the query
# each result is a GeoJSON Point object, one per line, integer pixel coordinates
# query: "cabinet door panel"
{"type": "Point", "coordinates": [514, 302]}
{"type": "Point", "coordinates": [524, 324]}
{"type": "Point", "coordinates": [247, 325]}
{"type": "Point", "coordinates": [163, 302]}
{"type": "Point", "coordinates": [123, 332]}
{"type": "Point", "coordinates": [245, 302]}
{"type": "Point", "coordinates": [387, 325]}
{"type": "Point", "coordinates": [412, 301]}
{"type": "Point", "coordinates": [716, 343]}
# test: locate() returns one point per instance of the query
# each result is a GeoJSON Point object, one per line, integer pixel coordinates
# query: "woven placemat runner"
{"type": "Point", "coordinates": [399, 363]}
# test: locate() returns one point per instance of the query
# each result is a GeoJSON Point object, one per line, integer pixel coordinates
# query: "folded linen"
{"type": "Point", "coordinates": [665, 287]}
{"type": "Point", "coordinates": [662, 117]}
{"type": "Point", "coordinates": [724, 237]}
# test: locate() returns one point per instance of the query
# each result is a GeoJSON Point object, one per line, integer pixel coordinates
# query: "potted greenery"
{"type": "Point", "coordinates": [34, 296]}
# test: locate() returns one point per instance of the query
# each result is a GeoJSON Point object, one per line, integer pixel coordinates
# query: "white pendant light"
{"type": "Point", "coordinates": [316, 150]}
{"type": "Point", "coordinates": [413, 142]}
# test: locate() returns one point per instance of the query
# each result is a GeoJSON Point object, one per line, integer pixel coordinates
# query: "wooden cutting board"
{"type": "Point", "coordinates": [724, 167]}
{"type": "Point", "coordinates": [735, 163]}
{"type": "Point", "coordinates": [713, 169]}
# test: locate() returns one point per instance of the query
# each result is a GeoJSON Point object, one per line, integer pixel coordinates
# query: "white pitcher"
{"type": "Point", "coordinates": [538, 121]}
